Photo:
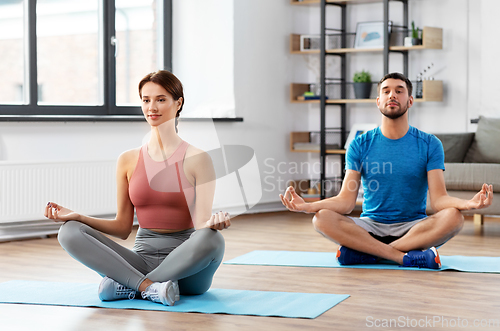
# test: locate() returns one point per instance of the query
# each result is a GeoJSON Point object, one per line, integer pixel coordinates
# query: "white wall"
{"type": "Point", "coordinates": [451, 65]}
{"type": "Point", "coordinates": [484, 66]}
{"type": "Point", "coordinates": [263, 71]}
{"type": "Point", "coordinates": [203, 57]}
{"type": "Point", "coordinates": [43, 141]}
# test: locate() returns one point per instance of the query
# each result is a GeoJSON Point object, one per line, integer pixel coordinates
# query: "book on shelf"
{"type": "Point", "coordinates": [309, 97]}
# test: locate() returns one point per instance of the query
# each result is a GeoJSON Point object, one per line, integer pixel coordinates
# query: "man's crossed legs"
{"type": "Point", "coordinates": [409, 239]}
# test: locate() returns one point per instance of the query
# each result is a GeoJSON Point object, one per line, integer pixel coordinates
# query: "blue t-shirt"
{"type": "Point", "coordinates": [394, 173]}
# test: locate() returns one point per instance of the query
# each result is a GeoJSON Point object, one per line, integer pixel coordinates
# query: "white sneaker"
{"type": "Point", "coordinates": [164, 293]}
{"type": "Point", "coordinates": [177, 292]}
{"type": "Point", "coordinates": [110, 290]}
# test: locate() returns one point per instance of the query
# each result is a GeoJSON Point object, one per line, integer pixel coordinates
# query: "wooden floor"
{"type": "Point", "coordinates": [377, 296]}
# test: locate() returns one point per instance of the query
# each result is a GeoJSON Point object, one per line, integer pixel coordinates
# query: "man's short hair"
{"type": "Point", "coordinates": [396, 75]}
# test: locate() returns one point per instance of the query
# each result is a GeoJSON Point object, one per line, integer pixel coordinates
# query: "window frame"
{"type": "Point", "coordinates": [108, 111]}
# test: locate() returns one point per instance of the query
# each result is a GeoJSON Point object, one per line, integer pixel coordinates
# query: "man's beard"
{"type": "Point", "coordinates": [394, 115]}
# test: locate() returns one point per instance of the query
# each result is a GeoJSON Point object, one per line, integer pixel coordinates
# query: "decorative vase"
{"type": "Point", "coordinates": [409, 41]}
{"type": "Point", "coordinates": [362, 90]}
{"type": "Point", "coordinates": [416, 41]}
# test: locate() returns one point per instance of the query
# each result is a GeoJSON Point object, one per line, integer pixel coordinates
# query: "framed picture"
{"type": "Point", "coordinates": [370, 35]}
{"type": "Point", "coordinates": [357, 130]}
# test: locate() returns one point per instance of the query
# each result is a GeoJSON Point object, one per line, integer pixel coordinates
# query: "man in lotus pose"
{"type": "Point", "coordinates": [397, 164]}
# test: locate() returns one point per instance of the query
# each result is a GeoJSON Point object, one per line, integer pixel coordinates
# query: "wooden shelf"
{"type": "Point", "coordinates": [345, 101]}
{"type": "Point", "coordinates": [336, 151]}
{"type": "Point", "coordinates": [305, 137]}
{"type": "Point", "coordinates": [298, 89]}
{"type": "Point", "coordinates": [354, 50]}
{"type": "Point", "coordinates": [432, 38]}
{"type": "Point", "coordinates": [328, 151]}
{"type": "Point", "coordinates": [338, 101]}
{"type": "Point", "coordinates": [350, 101]}
{"type": "Point", "coordinates": [432, 92]}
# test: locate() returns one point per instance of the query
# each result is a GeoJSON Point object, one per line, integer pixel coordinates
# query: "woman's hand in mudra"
{"type": "Point", "coordinates": [59, 213]}
{"type": "Point", "coordinates": [219, 221]}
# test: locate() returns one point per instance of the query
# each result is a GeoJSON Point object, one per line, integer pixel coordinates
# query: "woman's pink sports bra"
{"type": "Point", "coordinates": [161, 193]}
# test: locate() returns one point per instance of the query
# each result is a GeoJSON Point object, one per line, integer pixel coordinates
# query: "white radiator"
{"type": "Point", "coordinates": [25, 188]}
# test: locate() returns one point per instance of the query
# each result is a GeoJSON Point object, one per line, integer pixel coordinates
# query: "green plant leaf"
{"type": "Point", "coordinates": [414, 30]}
{"type": "Point", "coordinates": [362, 77]}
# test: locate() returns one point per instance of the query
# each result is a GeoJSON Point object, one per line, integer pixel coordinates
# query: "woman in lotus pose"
{"type": "Point", "coordinates": [171, 186]}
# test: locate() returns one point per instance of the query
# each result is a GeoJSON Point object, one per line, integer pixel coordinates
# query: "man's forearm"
{"type": "Point", "coordinates": [337, 204]}
{"type": "Point", "coordinates": [447, 201]}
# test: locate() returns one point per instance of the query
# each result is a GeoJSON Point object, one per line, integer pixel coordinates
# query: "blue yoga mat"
{"type": "Point", "coordinates": [235, 302]}
{"type": "Point", "coordinates": [328, 260]}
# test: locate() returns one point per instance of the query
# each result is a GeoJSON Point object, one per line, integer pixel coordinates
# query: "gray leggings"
{"type": "Point", "coordinates": [189, 256]}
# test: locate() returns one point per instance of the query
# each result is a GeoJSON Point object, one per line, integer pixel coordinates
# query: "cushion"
{"type": "Point", "coordinates": [471, 177]}
{"type": "Point", "coordinates": [485, 147]}
{"type": "Point", "coordinates": [455, 145]}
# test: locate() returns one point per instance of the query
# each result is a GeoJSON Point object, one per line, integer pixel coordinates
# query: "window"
{"type": "Point", "coordinates": [68, 36]}
{"type": "Point", "coordinates": [79, 59]}
{"type": "Point", "coordinates": [12, 49]}
{"type": "Point", "coordinates": [139, 50]}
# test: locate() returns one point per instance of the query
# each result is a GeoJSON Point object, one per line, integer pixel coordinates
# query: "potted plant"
{"type": "Point", "coordinates": [415, 35]}
{"type": "Point", "coordinates": [362, 81]}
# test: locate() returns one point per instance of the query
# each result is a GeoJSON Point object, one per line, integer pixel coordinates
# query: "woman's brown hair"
{"type": "Point", "coordinates": [169, 82]}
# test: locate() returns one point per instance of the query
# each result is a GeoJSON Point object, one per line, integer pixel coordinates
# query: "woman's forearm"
{"type": "Point", "coordinates": [114, 227]}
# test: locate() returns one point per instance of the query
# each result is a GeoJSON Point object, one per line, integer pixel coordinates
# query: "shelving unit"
{"type": "Point", "coordinates": [432, 38]}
